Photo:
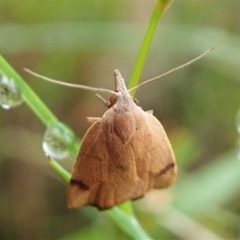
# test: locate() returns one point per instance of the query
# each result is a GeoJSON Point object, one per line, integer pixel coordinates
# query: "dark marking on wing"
{"type": "Point", "coordinates": [166, 169]}
{"type": "Point", "coordinates": [80, 184]}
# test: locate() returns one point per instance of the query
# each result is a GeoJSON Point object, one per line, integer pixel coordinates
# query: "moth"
{"type": "Point", "coordinates": [123, 154]}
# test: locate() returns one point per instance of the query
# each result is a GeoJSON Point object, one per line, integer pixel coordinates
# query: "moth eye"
{"type": "Point", "coordinates": [113, 100]}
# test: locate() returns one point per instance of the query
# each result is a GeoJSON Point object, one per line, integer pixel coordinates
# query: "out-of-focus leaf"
{"type": "Point", "coordinates": [213, 184]}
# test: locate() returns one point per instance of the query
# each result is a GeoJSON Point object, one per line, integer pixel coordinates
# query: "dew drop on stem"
{"type": "Point", "coordinates": [56, 141]}
{"type": "Point", "coordinates": [238, 130]}
{"type": "Point", "coordinates": [9, 95]}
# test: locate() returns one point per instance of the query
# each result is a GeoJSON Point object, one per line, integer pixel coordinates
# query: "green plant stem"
{"type": "Point", "coordinates": [64, 174]}
{"type": "Point", "coordinates": [128, 224]}
{"type": "Point", "coordinates": [29, 97]}
{"type": "Point", "coordinates": [158, 10]}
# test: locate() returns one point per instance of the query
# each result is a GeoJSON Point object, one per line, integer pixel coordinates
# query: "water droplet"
{"type": "Point", "coordinates": [57, 140]}
{"type": "Point", "coordinates": [238, 130]}
{"type": "Point", "coordinates": [9, 95]}
{"type": "Point", "coordinates": [238, 148]}
{"type": "Point", "coordinates": [238, 121]}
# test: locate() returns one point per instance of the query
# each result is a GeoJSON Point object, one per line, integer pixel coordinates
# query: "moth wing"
{"type": "Point", "coordinates": [88, 168]}
{"type": "Point", "coordinates": [153, 154]}
{"type": "Point", "coordinates": [122, 181]}
{"type": "Point", "coordinates": [160, 157]}
{"type": "Point", "coordinates": [104, 173]}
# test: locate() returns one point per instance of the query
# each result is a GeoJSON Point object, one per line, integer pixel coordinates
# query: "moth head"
{"type": "Point", "coordinates": [120, 86]}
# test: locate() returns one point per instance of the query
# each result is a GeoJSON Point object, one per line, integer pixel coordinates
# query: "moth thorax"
{"type": "Point", "coordinates": [124, 102]}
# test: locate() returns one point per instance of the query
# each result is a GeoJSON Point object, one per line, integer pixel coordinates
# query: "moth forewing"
{"type": "Point", "coordinates": [162, 160]}
{"type": "Point", "coordinates": [84, 174]}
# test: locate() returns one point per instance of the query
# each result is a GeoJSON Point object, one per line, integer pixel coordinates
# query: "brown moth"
{"type": "Point", "coordinates": [123, 154]}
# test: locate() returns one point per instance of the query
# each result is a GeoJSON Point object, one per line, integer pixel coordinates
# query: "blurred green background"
{"type": "Point", "coordinates": [83, 42]}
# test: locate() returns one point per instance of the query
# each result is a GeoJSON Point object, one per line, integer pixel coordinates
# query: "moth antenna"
{"type": "Point", "coordinates": [69, 84]}
{"type": "Point", "coordinates": [177, 68]}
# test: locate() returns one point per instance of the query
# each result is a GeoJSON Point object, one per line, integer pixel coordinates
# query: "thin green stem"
{"type": "Point", "coordinates": [128, 224]}
{"type": "Point", "coordinates": [30, 98]}
{"type": "Point", "coordinates": [65, 175]}
{"type": "Point", "coordinates": [158, 10]}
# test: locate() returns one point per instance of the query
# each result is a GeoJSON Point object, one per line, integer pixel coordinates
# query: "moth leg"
{"type": "Point", "coordinates": [136, 101]}
{"type": "Point", "coordinates": [106, 103]}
